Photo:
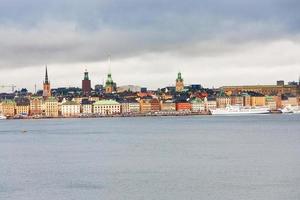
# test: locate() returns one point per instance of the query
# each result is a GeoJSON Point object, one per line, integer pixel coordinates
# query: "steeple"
{"type": "Point", "coordinates": [46, 76]}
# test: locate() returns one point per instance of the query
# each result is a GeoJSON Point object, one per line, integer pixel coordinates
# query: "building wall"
{"type": "Point", "coordinates": [183, 106]}
{"type": "Point", "coordinates": [51, 109]}
{"type": "Point", "coordinates": [168, 106]}
{"type": "Point", "coordinates": [145, 106]}
{"type": "Point", "coordinates": [36, 106]}
{"type": "Point", "coordinates": [107, 109]}
{"type": "Point", "coordinates": [258, 101]}
{"type": "Point", "coordinates": [86, 87]}
{"type": "Point", "coordinates": [22, 109]}
{"type": "Point", "coordinates": [210, 105]}
{"type": "Point", "coordinates": [264, 89]}
{"type": "Point", "coordinates": [8, 109]}
{"type": "Point", "coordinates": [87, 109]}
{"type": "Point", "coordinates": [70, 110]}
{"type": "Point", "coordinates": [198, 107]}
{"type": "Point", "coordinates": [222, 102]}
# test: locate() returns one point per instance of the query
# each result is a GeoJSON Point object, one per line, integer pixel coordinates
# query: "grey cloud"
{"type": "Point", "coordinates": [36, 32]}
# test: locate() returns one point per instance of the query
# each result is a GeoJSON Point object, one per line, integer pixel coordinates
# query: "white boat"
{"type": "Point", "coordinates": [238, 110]}
{"type": "Point", "coordinates": [296, 109]}
{"type": "Point", "coordinates": [287, 109]}
{"type": "Point", "coordinates": [2, 117]}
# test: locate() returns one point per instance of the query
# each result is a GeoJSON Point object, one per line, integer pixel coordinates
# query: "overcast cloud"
{"type": "Point", "coordinates": [212, 42]}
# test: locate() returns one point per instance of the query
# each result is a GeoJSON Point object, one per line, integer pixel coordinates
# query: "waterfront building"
{"type": "Point", "coordinates": [107, 107]}
{"type": "Point", "coordinates": [86, 106]}
{"type": "Point", "coordinates": [257, 101]}
{"type": "Point", "coordinates": [155, 105]}
{"type": "Point", "coordinates": [198, 105]}
{"type": "Point", "coordinates": [289, 101]}
{"type": "Point", "coordinates": [223, 101]}
{"type": "Point", "coordinates": [86, 85]}
{"type": "Point", "coordinates": [8, 107]}
{"type": "Point", "coordinates": [46, 86]}
{"type": "Point", "coordinates": [36, 106]}
{"type": "Point", "coordinates": [130, 106]}
{"type": "Point", "coordinates": [279, 88]}
{"type": "Point", "coordinates": [246, 100]}
{"type": "Point", "coordinates": [110, 86]}
{"type": "Point", "coordinates": [51, 107]}
{"type": "Point", "coordinates": [22, 106]}
{"type": "Point", "coordinates": [179, 83]}
{"type": "Point", "coordinates": [145, 105]}
{"type": "Point", "coordinates": [183, 106]}
{"type": "Point", "coordinates": [271, 102]}
{"type": "Point", "coordinates": [237, 100]}
{"type": "Point", "coordinates": [210, 103]}
{"type": "Point", "coordinates": [70, 109]}
{"type": "Point", "coordinates": [168, 105]}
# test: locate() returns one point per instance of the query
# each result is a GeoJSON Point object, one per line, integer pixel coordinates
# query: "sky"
{"type": "Point", "coordinates": [211, 42]}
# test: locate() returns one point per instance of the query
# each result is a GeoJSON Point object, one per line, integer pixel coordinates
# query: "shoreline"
{"type": "Point", "coordinates": [127, 116]}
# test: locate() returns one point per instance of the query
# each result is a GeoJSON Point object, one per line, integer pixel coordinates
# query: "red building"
{"type": "Point", "coordinates": [183, 106]}
{"type": "Point", "coordinates": [86, 85]}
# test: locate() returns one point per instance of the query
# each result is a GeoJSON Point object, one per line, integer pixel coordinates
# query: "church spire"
{"type": "Point", "coordinates": [46, 76]}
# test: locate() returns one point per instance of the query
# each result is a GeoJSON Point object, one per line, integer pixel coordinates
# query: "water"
{"type": "Point", "coordinates": [168, 158]}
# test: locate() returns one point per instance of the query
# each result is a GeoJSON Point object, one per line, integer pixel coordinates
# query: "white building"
{"type": "Point", "coordinates": [198, 105]}
{"type": "Point", "coordinates": [106, 107]}
{"type": "Point", "coordinates": [70, 108]}
{"type": "Point", "coordinates": [210, 104]}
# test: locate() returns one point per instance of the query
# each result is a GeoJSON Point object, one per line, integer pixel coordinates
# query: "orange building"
{"type": "Point", "coordinates": [155, 105]}
{"type": "Point", "coordinates": [258, 101]}
{"type": "Point", "coordinates": [183, 106]}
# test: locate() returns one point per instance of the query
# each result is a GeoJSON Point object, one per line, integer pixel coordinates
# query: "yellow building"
{"type": "Point", "coordinates": [168, 105]}
{"type": "Point", "coordinates": [51, 107]}
{"type": "Point", "coordinates": [8, 108]}
{"type": "Point", "coordinates": [258, 101]}
{"type": "Point", "coordinates": [22, 106]}
{"type": "Point", "coordinates": [145, 105]}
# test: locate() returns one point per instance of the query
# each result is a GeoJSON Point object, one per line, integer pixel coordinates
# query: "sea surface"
{"type": "Point", "coordinates": [157, 158]}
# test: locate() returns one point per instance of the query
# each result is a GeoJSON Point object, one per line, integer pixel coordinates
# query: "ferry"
{"type": "Point", "coordinates": [238, 110]}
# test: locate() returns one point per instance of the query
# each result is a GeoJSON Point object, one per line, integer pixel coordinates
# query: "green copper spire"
{"type": "Point", "coordinates": [86, 75]}
{"type": "Point", "coordinates": [179, 78]}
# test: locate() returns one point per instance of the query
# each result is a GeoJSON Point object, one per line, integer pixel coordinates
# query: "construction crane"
{"type": "Point", "coordinates": [9, 86]}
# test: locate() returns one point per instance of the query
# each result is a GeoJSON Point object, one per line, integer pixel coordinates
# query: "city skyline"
{"type": "Point", "coordinates": [214, 43]}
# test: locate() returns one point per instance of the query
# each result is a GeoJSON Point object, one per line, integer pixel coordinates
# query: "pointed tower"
{"type": "Point", "coordinates": [179, 83]}
{"type": "Point", "coordinates": [109, 84]}
{"type": "Point", "coordinates": [86, 85]}
{"type": "Point", "coordinates": [46, 86]}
